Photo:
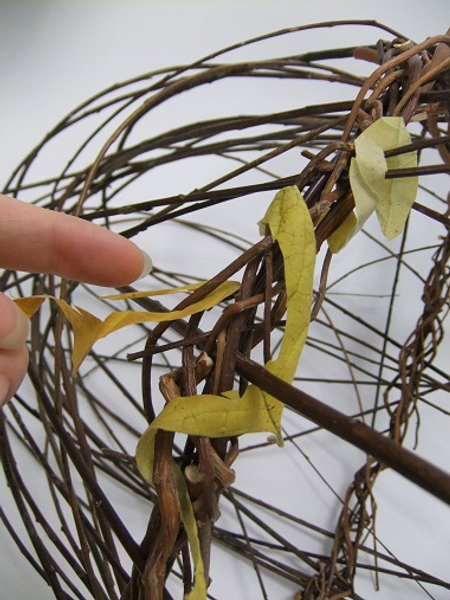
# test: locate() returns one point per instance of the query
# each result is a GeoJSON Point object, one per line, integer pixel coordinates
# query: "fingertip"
{"type": "Point", "coordinates": [4, 390]}
{"type": "Point", "coordinates": [147, 265]}
{"type": "Point", "coordinates": [131, 265]}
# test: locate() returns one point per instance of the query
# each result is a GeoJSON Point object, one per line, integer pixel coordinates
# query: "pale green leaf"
{"type": "Point", "coordinates": [391, 199]}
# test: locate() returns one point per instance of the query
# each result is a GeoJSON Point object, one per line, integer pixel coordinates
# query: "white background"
{"type": "Point", "coordinates": [55, 54]}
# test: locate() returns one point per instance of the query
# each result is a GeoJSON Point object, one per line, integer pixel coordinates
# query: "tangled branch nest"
{"type": "Point", "coordinates": [81, 431]}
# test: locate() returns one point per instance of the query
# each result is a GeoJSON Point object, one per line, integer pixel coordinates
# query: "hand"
{"type": "Point", "coordinates": [43, 241]}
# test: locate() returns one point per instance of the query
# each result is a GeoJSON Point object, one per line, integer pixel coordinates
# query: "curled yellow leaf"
{"type": "Point", "coordinates": [147, 294]}
{"type": "Point", "coordinates": [198, 591]}
{"type": "Point", "coordinates": [230, 414]}
{"type": "Point", "coordinates": [30, 305]}
{"type": "Point", "coordinates": [88, 329]}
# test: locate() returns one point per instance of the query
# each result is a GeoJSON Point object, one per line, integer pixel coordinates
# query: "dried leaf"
{"type": "Point", "coordinates": [133, 295]}
{"type": "Point", "coordinates": [88, 329]}
{"type": "Point", "coordinates": [30, 305]}
{"type": "Point", "coordinates": [198, 591]}
{"type": "Point", "coordinates": [390, 198]}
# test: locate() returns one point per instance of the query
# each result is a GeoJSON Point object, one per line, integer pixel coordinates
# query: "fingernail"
{"type": "Point", "coordinates": [19, 334]}
{"type": "Point", "coordinates": [148, 265]}
{"type": "Point", "coordinates": [4, 390]}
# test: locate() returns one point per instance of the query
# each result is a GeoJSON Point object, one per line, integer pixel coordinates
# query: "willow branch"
{"type": "Point", "coordinates": [416, 469]}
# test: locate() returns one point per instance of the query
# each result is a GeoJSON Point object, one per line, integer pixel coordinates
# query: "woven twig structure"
{"type": "Point", "coordinates": [96, 529]}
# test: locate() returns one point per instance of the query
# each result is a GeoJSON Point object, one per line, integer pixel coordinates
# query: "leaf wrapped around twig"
{"type": "Point", "coordinates": [392, 199]}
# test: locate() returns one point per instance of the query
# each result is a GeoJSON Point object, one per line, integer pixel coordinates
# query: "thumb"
{"type": "Point", "coordinates": [13, 324]}
{"type": "Point", "coordinates": [13, 352]}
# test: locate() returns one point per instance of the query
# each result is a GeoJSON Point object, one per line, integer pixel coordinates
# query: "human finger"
{"type": "Point", "coordinates": [13, 352]}
{"type": "Point", "coordinates": [13, 367]}
{"type": "Point", "coordinates": [38, 240]}
{"type": "Point", "coordinates": [13, 325]}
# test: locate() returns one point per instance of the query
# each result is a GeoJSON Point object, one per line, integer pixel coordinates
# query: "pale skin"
{"type": "Point", "coordinates": [37, 240]}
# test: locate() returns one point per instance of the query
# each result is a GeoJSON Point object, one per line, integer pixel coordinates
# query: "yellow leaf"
{"type": "Point", "coordinates": [229, 414]}
{"type": "Point", "coordinates": [291, 226]}
{"type": "Point", "coordinates": [340, 237]}
{"type": "Point", "coordinates": [390, 198]}
{"type": "Point", "coordinates": [88, 329]}
{"type": "Point", "coordinates": [208, 415]}
{"type": "Point", "coordinates": [30, 305]}
{"type": "Point", "coordinates": [133, 295]}
{"type": "Point", "coordinates": [198, 592]}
